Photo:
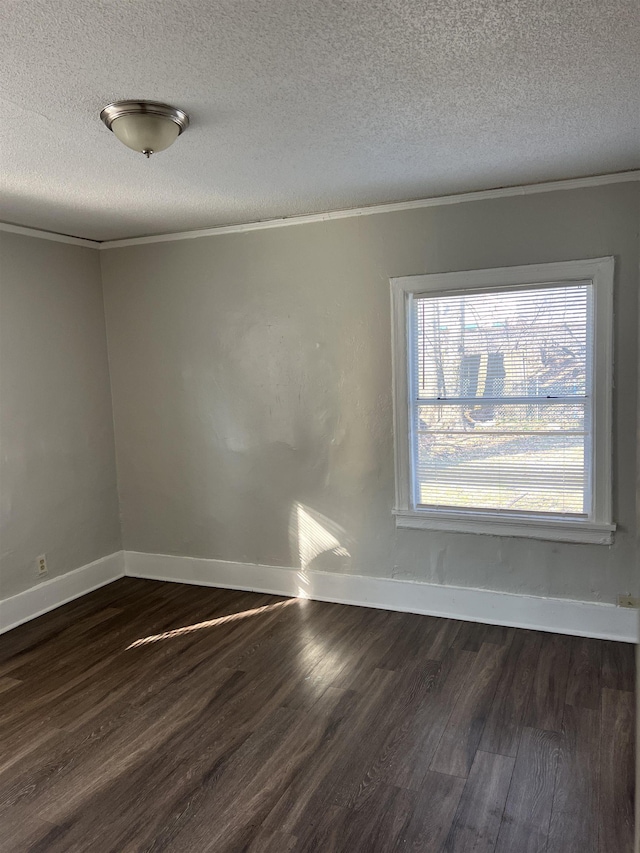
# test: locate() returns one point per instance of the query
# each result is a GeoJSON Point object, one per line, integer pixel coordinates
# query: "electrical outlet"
{"type": "Point", "coordinates": [628, 601]}
{"type": "Point", "coordinates": [41, 565]}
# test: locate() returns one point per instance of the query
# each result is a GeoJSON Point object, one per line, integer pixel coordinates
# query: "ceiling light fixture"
{"type": "Point", "coordinates": [145, 126]}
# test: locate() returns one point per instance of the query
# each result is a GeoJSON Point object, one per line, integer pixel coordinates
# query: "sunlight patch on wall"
{"type": "Point", "coordinates": [312, 534]}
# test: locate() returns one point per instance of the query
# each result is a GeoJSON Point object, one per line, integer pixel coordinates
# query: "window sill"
{"type": "Point", "coordinates": [560, 530]}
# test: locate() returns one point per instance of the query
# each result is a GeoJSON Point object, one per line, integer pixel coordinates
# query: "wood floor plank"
{"type": "Point", "coordinates": [407, 751]}
{"type": "Point", "coordinates": [525, 822]}
{"type": "Point", "coordinates": [340, 654]}
{"type": "Point", "coordinates": [504, 723]}
{"type": "Point", "coordinates": [7, 683]}
{"type": "Point", "coordinates": [574, 815]}
{"type": "Point", "coordinates": [375, 826]}
{"type": "Point", "coordinates": [245, 794]}
{"type": "Point", "coordinates": [52, 691]}
{"type": "Point", "coordinates": [21, 640]}
{"type": "Point", "coordinates": [442, 637]}
{"type": "Point", "coordinates": [22, 741]}
{"type": "Point", "coordinates": [28, 662]}
{"type": "Point", "coordinates": [618, 665]}
{"type": "Point", "coordinates": [371, 720]}
{"type": "Point", "coordinates": [549, 688]}
{"type": "Point", "coordinates": [477, 820]}
{"type": "Point", "coordinates": [501, 635]}
{"type": "Point", "coordinates": [406, 643]}
{"type": "Point", "coordinates": [470, 637]}
{"type": "Point", "coordinates": [456, 751]}
{"type": "Point", "coordinates": [18, 835]}
{"type": "Point", "coordinates": [433, 814]}
{"type": "Point", "coordinates": [324, 830]}
{"type": "Point", "coordinates": [155, 800]}
{"type": "Point", "coordinates": [355, 655]}
{"type": "Point", "coordinates": [163, 717]}
{"type": "Point", "coordinates": [381, 821]}
{"type": "Point", "coordinates": [585, 669]}
{"type": "Point", "coordinates": [278, 842]}
{"type": "Point", "coordinates": [303, 798]}
{"type": "Point", "coordinates": [616, 818]}
{"type": "Point", "coordinates": [413, 695]}
{"type": "Point", "coordinates": [85, 763]}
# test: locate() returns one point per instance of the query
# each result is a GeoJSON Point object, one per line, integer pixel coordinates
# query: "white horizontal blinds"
{"type": "Point", "coordinates": [501, 414]}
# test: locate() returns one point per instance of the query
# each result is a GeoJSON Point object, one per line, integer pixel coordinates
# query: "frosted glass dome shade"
{"type": "Point", "coordinates": [145, 126]}
{"type": "Point", "coordinates": [145, 132]}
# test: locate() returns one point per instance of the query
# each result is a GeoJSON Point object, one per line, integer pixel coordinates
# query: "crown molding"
{"type": "Point", "coordinates": [305, 219]}
{"type": "Point", "coordinates": [48, 235]}
{"type": "Point", "coordinates": [481, 195]}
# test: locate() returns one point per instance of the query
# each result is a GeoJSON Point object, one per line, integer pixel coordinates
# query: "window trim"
{"type": "Point", "coordinates": [598, 527]}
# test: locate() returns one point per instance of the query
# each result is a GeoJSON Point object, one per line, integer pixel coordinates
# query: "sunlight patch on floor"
{"type": "Point", "coordinates": [210, 623]}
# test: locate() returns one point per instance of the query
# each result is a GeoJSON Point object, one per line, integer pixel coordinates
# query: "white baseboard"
{"type": "Point", "coordinates": [557, 615]}
{"type": "Point", "coordinates": [46, 596]}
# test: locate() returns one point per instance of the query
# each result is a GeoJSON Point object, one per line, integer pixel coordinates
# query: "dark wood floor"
{"type": "Point", "coordinates": [150, 716]}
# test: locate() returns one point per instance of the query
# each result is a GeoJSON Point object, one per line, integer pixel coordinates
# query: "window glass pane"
{"type": "Point", "coordinates": [478, 418]}
{"type": "Point", "coordinates": [485, 348]}
{"type": "Point", "coordinates": [531, 473]}
{"type": "Point", "coordinates": [528, 342]}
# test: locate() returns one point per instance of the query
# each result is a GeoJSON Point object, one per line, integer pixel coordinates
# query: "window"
{"type": "Point", "coordinates": [502, 400]}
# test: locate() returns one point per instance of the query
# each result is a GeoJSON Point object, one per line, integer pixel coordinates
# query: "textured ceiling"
{"type": "Point", "coordinates": [300, 106]}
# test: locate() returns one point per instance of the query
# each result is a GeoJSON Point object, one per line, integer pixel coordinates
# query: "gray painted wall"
{"type": "Point", "coordinates": [57, 464]}
{"type": "Point", "coordinates": [251, 379]}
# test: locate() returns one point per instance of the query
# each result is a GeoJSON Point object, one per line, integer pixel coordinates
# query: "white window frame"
{"type": "Point", "coordinates": [597, 528]}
